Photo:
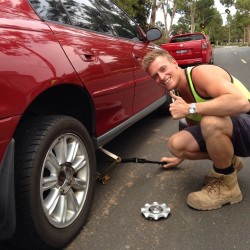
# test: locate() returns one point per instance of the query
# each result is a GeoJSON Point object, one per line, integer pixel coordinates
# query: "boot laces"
{"type": "Point", "coordinates": [214, 184]}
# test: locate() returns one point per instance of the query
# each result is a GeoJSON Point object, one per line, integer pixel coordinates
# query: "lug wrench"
{"type": "Point", "coordinates": [104, 178]}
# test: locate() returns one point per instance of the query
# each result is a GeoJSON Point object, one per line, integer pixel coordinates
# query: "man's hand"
{"type": "Point", "coordinates": [179, 108]}
{"type": "Point", "coordinates": [171, 162]}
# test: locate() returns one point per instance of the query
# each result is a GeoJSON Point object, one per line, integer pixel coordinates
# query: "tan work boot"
{"type": "Point", "coordinates": [237, 164]}
{"type": "Point", "coordinates": [220, 190]}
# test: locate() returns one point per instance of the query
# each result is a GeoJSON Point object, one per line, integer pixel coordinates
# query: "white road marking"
{"type": "Point", "coordinates": [243, 61]}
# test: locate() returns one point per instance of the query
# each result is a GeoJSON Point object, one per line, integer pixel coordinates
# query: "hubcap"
{"type": "Point", "coordinates": [155, 211]}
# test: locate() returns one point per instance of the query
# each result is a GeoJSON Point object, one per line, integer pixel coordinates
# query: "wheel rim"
{"type": "Point", "coordinates": [64, 180]}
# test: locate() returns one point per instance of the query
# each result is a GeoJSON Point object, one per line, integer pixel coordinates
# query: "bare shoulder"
{"type": "Point", "coordinates": [209, 80]}
{"type": "Point", "coordinates": [207, 71]}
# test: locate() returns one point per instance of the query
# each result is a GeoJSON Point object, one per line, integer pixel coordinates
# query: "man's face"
{"type": "Point", "coordinates": [164, 72]}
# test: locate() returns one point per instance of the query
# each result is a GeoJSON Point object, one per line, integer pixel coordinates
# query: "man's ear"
{"type": "Point", "coordinates": [175, 62]}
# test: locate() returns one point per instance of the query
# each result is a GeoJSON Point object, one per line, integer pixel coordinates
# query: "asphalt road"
{"type": "Point", "coordinates": [116, 222]}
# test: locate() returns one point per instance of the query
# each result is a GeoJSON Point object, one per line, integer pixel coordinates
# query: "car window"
{"type": "Point", "coordinates": [187, 38]}
{"type": "Point", "coordinates": [50, 10]}
{"type": "Point", "coordinates": [85, 14]}
{"type": "Point", "coordinates": [181, 39]}
{"type": "Point", "coordinates": [198, 37]}
{"type": "Point", "coordinates": [123, 25]}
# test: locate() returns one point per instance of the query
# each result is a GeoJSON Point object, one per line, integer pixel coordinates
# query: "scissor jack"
{"type": "Point", "coordinates": [104, 178]}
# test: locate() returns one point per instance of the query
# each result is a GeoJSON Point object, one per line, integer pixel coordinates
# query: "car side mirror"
{"type": "Point", "coordinates": [153, 34]}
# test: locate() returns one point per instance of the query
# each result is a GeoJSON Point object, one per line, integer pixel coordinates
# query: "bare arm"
{"type": "Point", "coordinates": [213, 82]}
{"type": "Point", "coordinates": [227, 99]}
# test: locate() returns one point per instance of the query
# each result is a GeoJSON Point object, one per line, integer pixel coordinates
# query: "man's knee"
{"type": "Point", "coordinates": [175, 145]}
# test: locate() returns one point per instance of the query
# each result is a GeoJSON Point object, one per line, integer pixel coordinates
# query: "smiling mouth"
{"type": "Point", "coordinates": [166, 82]}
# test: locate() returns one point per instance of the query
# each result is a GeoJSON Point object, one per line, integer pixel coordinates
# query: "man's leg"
{"type": "Point", "coordinates": [183, 145]}
{"type": "Point", "coordinates": [223, 186]}
{"type": "Point", "coordinates": [217, 133]}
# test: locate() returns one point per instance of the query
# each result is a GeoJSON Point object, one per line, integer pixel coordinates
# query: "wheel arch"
{"type": "Point", "coordinates": [66, 99]}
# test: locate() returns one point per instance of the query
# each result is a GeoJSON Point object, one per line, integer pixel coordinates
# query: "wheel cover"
{"type": "Point", "coordinates": [155, 211]}
{"type": "Point", "coordinates": [64, 180]}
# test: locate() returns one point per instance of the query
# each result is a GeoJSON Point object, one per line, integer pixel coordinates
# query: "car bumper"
{"type": "Point", "coordinates": [193, 61]}
{"type": "Point", "coordinates": [7, 194]}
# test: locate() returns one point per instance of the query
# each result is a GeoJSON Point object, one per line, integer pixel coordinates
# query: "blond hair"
{"type": "Point", "coordinates": [152, 55]}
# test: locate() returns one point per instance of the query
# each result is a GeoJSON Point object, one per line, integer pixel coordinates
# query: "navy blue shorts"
{"type": "Point", "coordinates": [240, 139]}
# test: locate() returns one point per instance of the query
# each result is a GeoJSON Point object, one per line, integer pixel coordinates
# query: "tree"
{"type": "Point", "coordinates": [214, 29]}
{"type": "Point", "coordinates": [192, 13]}
{"type": "Point", "coordinates": [183, 25]}
{"type": "Point", "coordinates": [243, 9]}
{"type": "Point", "coordinates": [137, 9]}
{"type": "Point", "coordinates": [154, 8]}
{"type": "Point", "coordinates": [168, 8]}
{"type": "Point", "coordinates": [196, 12]}
{"type": "Point", "coordinates": [227, 3]}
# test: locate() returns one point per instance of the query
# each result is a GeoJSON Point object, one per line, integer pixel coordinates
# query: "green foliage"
{"type": "Point", "coordinates": [243, 6]}
{"type": "Point", "coordinates": [203, 11]}
{"type": "Point", "coordinates": [227, 3]}
{"type": "Point", "coordinates": [206, 13]}
{"type": "Point", "coordinates": [213, 28]}
{"type": "Point", "coordinates": [183, 24]}
{"type": "Point", "coordinates": [137, 9]}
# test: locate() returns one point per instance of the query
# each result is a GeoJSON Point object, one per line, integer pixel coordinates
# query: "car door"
{"type": "Point", "coordinates": [103, 61]}
{"type": "Point", "coordinates": [146, 91]}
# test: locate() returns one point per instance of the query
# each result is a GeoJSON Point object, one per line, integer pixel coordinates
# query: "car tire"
{"type": "Point", "coordinates": [55, 175]}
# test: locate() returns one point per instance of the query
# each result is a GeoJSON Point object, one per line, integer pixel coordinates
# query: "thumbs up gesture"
{"type": "Point", "coordinates": [179, 108]}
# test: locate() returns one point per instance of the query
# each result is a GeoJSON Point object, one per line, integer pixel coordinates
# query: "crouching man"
{"type": "Point", "coordinates": [216, 107]}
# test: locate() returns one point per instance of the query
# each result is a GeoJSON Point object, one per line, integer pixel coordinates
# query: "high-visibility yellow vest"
{"type": "Point", "coordinates": [239, 85]}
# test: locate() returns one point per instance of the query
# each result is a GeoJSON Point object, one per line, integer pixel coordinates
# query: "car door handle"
{"type": "Point", "coordinates": [86, 56]}
{"type": "Point", "coordinates": [137, 58]}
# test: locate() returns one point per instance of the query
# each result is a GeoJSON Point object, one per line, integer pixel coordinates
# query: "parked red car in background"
{"type": "Point", "coordinates": [71, 80]}
{"type": "Point", "coordinates": [190, 49]}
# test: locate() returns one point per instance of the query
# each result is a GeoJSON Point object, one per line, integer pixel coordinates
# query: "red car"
{"type": "Point", "coordinates": [190, 49]}
{"type": "Point", "coordinates": [71, 80]}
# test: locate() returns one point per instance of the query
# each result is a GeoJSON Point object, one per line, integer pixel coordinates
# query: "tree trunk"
{"type": "Point", "coordinates": [172, 18]}
{"type": "Point", "coordinates": [248, 35]}
{"type": "Point", "coordinates": [192, 9]}
{"type": "Point", "coordinates": [165, 20]}
{"type": "Point", "coordinates": [153, 14]}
